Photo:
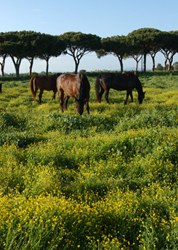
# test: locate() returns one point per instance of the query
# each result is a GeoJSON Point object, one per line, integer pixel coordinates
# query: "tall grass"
{"type": "Point", "coordinates": [102, 181]}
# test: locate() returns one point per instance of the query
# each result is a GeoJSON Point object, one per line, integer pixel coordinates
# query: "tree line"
{"type": "Point", "coordinates": [139, 43]}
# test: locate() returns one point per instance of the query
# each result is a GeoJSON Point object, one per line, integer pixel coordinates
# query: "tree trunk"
{"type": "Point", "coordinates": [153, 60]}
{"type": "Point", "coordinates": [3, 64]}
{"type": "Point", "coordinates": [136, 67]}
{"type": "Point", "coordinates": [169, 55]}
{"type": "Point", "coordinates": [47, 66]}
{"type": "Point", "coordinates": [170, 60]}
{"type": "Point", "coordinates": [153, 55]}
{"type": "Point", "coordinates": [144, 62]}
{"type": "Point", "coordinates": [2, 69]}
{"type": "Point", "coordinates": [16, 63]}
{"type": "Point", "coordinates": [31, 60]}
{"type": "Point", "coordinates": [165, 63]}
{"type": "Point", "coordinates": [76, 65]}
{"type": "Point", "coordinates": [17, 70]}
{"type": "Point", "coordinates": [137, 60]}
{"type": "Point", "coordinates": [76, 68]}
{"type": "Point", "coordinates": [121, 63]}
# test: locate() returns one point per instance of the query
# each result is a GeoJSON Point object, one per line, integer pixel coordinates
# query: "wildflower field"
{"type": "Point", "coordinates": [104, 181]}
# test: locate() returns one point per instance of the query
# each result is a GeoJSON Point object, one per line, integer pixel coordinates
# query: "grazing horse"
{"type": "Point", "coordinates": [43, 83]}
{"type": "Point", "coordinates": [74, 85]}
{"type": "Point", "coordinates": [126, 81]}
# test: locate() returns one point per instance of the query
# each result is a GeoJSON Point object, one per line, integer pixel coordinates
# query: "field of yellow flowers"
{"type": "Point", "coordinates": [104, 181]}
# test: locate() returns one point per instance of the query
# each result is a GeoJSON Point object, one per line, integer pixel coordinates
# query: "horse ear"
{"type": "Point", "coordinates": [82, 76]}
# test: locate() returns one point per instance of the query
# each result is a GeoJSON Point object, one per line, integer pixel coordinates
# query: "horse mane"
{"type": "Point", "coordinates": [134, 76]}
{"type": "Point", "coordinates": [138, 85]}
{"type": "Point", "coordinates": [84, 87]}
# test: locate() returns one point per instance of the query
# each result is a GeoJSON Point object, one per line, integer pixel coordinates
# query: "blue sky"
{"type": "Point", "coordinates": [101, 17]}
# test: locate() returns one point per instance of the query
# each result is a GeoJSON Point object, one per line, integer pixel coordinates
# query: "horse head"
{"type": "Point", "coordinates": [79, 106]}
{"type": "Point", "coordinates": [83, 94]}
{"type": "Point", "coordinates": [141, 96]}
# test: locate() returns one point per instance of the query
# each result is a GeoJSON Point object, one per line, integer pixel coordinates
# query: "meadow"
{"type": "Point", "coordinates": [104, 181]}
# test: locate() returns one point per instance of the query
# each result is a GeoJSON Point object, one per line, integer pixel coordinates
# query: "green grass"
{"type": "Point", "coordinates": [107, 180]}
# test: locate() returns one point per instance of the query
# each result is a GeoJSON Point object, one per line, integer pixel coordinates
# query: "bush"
{"type": "Point", "coordinates": [159, 67]}
{"type": "Point", "coordinates": [175, 66]}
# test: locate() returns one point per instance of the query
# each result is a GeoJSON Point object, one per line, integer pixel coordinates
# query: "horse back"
{"type": "Point", "coordinates": [126, 81]}
{"type": "Point", "coordinates": [69, 83]}
{"type": "Point", "coordinates": [45, 82]}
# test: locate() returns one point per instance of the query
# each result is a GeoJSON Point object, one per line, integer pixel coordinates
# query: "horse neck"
{"type": "Point", "coordinates": [139, 87]}
{"type": "Point", "coordinates": [83, 88]}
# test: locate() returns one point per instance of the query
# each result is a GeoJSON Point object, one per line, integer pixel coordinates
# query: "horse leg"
{"type": "Point", "coordinates": [131, 96]}
{"type": "Point", "coordinates": [40, 95]}
{"type": "Point", "coordinates": [61, 99]}
{"type": "Point", "coordinates": [54, 95]}
{"type": "Point", "coordinates": [101, 93]}
{"type": "Point", "coordinates": [66, 102]}
{"type": "Point", "coordinates": [127, 96]}
{"type": "Point", "coordinates": [107, 95]}
{"type": "Point", "coordinates": [87, 107]}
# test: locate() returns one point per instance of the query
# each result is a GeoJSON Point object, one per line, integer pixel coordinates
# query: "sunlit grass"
{"type": "Point", "coordinates": [86, 182]}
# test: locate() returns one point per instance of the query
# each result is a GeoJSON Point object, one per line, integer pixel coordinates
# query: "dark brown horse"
{"type": "Point", "coordinates": [126, 81]}
{"type": "Point", "coordinates": [43, 83]}
{"type": "Point", "coordinates": [74, 85]}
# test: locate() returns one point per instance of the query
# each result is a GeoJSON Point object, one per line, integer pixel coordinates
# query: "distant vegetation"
{"type": "Point", "coordinates": [138, 45]}
{"type": "Point", "coordinates": [103, 181]}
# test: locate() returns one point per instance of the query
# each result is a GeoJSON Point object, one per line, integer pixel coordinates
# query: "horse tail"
{"type": "Point", "coordinates": [98, 88]}
{"type": "Point", "coordinates": [32, 85]}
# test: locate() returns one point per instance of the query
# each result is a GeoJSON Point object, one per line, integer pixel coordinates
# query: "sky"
{"type": "Point", "coordinates": [104, 18]}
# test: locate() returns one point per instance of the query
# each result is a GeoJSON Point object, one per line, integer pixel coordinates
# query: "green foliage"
{"type": "Point", "coordinates": [107, 180]}
{"type": "Point", "coordinates": [78, 44]}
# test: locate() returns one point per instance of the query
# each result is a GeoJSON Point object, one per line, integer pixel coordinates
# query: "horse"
{"type": "Point", "coordinates": [125, 81]}
{"type": "Point", "coordinates": [43, 83]}
{"type": "Point", "coordinates": [74, 85]}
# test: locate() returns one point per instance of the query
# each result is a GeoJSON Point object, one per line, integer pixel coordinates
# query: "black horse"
{"type": "Point", "coordinates": [126, 81]}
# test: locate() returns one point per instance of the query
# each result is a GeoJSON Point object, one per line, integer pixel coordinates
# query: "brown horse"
{"type": "Point", "coordinates": [126, 81]}
{"type": "Point", "coordinates": [74, 85]}
{"type": "Point", "coordinates": [43, 83]}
